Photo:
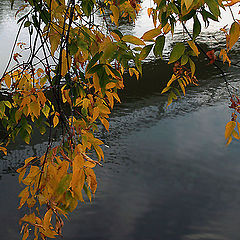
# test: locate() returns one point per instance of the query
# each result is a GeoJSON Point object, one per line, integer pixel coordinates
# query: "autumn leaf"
{"type": "Point", "coordinates": [211, 56]}
{"type": "Point", "coordinates": [149, 35]}
{"type": "Point", "coordinates": [66, 62]}
{"type": "Point", "coordinates": [55, 120]}
{"type": "Point", "coordinates": [133, 40]}
{"type": "Point", "coordinates": [229, 129]}
{"type": "Point", "coordinates": [234, 34]}
{"type": "Point", "coordinates": [4, 150]}
{"type": "Point", "coordinates": [188, 3]}
{"type": "Point", "coordinates": [7, 80]}
{"type": "Point", "coordinates": [115, 12]}
{"type": "Point", "coordinates": [24, 194]}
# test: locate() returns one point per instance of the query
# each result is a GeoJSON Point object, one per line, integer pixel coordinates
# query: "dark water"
{"type": "Point", "coordinates": [168, 174]}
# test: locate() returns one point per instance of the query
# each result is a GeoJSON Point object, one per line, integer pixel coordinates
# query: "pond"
{"type": "Point", "coordinates": [168, 174]}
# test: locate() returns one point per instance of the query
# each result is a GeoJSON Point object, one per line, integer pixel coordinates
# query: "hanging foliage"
{"type": "Point", "coordinates": [70, 83]}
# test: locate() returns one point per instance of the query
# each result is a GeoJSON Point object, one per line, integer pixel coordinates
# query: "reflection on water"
{"type": "Point", "coordinates": [167, 174]}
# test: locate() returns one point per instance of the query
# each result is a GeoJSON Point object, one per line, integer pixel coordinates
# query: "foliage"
{"type": "Point", "coordinates": [69, 83]}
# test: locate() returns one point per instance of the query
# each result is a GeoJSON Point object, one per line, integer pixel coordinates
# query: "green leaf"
{"type": "Point", "coordinates": [145, 51]}
{"type": "Point", "coordinates": [96, 68]}
{"type": "Point", "coordinates": [214, 7]}
{"type": "Point", "coordinates": [27, 24]}
{"type": "Point", "coordinates": [177, 52]}
{"type": "Point", "coordinates": [64, 184]}
{"type": "Point", "coordinates": [94, 60]}
{"type": "Point", "coordinates": [184, 59]}
{"type": "Point", "coordinates": [159, 45]}
{"type": "Point", "coordinates": [192, 66]}
{"type": "Point", "coordinates": [196, 27]}
{"type": "Point", "coordinates": [205, 15]}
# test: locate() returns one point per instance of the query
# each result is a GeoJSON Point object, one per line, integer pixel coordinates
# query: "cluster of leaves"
{"type": "Point", "coordinates": [170, 13]}
{"type": "Point", "coordinates": [69, 83]}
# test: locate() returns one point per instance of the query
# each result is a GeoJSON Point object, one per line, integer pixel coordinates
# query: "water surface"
{"type": "Point", "coordinates": [168, 174]}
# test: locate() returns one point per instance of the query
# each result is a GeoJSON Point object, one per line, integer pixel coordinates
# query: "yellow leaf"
{"type": "Point", "coordinates": [96, 83]}
{"type": "Point", "coordinates": [234, 34]}
{"type": "Point", "coordinates": [99, 152]}
{"type": "Point", "coordinates": [149, 35]}
{"type": "Point", "coordinates": [78, 162]}
{"type": "Point", "coordinates": [116, 97]}
{"type": "Point", "coordinates": [25, 233]}
{"type": "Point", "coordinates": [89, 164]}
{"type": "Point", "coordinates": [110, 85]}
{"type": "Point", "coordinates": [115, 36]}
{"type": "Point", "coordinates": [133, 71]}
{"type": "Point", "coordinates": [193, 47]}
{"type": "Point", "coordinates": [95, 114]}
{"type": "Point", "coordinates": [188, 3]}
{"type": "Point", "coordinates": [110, 98]}
{"type": "Point", "coordinates": [47, 219]}
{"type": "Point", "coordinates": [42, 98]}
{"type": "Point", "coordinates": [31, 218]}
{"type": "Point", "coordinates": [166, 89]}
{"type": "Point", "coordinates": [181, 85]}
{"type": "Point", "coordinates": [55, 120]}
{"type": "Point", "coordinates": [24, 194]}
{"type": "Point", "coordinates": [105, 123]}
{"type": "Point", "coordinates": [8, 80]}
{"type": "Point", "coordinates": [34, 171]}
{"type": "Point", "coordinates": [229, 129]}
{"type": "Point", "coordinates": [166, 28]}
{"type": "Point", "coordinates": [31, 202]}
{"type": "Point", "coordinates": [173, 78]}
{"type": "Point", "coordinates": [46, 110]}
{"type": "Point", "coordinates": [28, 160]}
{"type": "Point", "coordinates": [54, 39]}
{"type": "Point", "coordinates": [229, 140]}
{"type": "Point", "coordinates": [238, 126]}
{"type": "Point", "coordinates": [66, 63]}
{"type": "Point", "coordinates": [104, 109]}
{"type": "Point", "coordinates": [77, 182]}
{"type": "Point", "coordinates": [91, 179]}
{"type": "Point", "coordinates": [21, 172]}
{"type": "Point", "coordinates": [133, 40]}
{"type": "Point", "coordinates": [4, 150]}
{"type": "Point", "coordinates": [115, 12]}
{"type": "Point", "coordinates": [223, 54]}
{"type": "Point", "coordinates": [35, 108]}
{"type": "Point", "coordinates": [235, 135]}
